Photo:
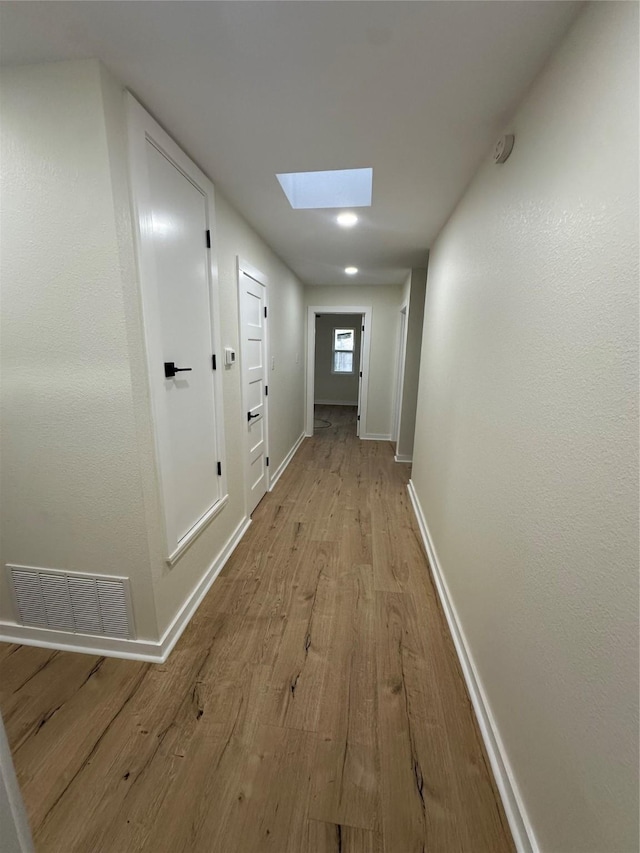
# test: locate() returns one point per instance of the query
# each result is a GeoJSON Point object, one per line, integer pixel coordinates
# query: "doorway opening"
{"type": "Point", "coordinates": [338, 347]}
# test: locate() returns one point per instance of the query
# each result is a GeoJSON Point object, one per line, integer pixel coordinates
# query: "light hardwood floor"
{"type": "Point", "coordinates": [313, 704]}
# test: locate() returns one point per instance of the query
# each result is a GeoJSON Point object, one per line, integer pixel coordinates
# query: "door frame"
{"type": "Point", "coordinates": [367, 312]}
{"type": "Point", "coordinates": [142, 128]}
{"type": "Point", "coordinates": [245, 267]}
{"type": "Point", "coordinates": [402, 357]}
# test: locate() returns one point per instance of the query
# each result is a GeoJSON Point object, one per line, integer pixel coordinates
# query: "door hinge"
{"type": "Point", "coordinates": [363, 328]}
{"type": "Point", "coordinates": [360, 372]}
{"type": "Point", "coordinates": [219, 469]}
{"type": "Point", "coordinates": [213, 363]}
{"type": "Point", "coordinates": [208, 235]}
{"type": "Point", "coordinates": [266, 390]}
{"type": "Point", "coordinates": [267, 461]}
{"type": "Point", "coordinates": [265, 310]}
{"type": "Point", "coordinates": [358, 417]}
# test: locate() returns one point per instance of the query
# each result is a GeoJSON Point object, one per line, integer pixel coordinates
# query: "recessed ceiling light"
{"type": "Point", "coordinates": [351, 270]}
{"type": "Point", "coordinates": [347, 220]}
{"type": "Point", "coordinates": [338, 188]}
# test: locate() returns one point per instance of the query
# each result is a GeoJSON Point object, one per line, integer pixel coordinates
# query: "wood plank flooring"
{"type": "Point", "coordinates": [313, 705]}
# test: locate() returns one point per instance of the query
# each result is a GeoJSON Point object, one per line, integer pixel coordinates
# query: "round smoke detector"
{"type": "Point", "coordinates": [503, 148]}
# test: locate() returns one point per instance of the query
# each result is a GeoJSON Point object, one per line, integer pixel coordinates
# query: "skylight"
{"type": "Point", "coordinates": [339, 188]}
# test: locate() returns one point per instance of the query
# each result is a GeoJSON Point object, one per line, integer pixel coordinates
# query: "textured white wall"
{"type": "Point", "coordinates": [525, 459]}
{"type": "Point", "coordinates": [385, 301]}
{"type": "Point", "coordinates": [71, 486]}
{"type": "Point", "coordinates": [332, 386]}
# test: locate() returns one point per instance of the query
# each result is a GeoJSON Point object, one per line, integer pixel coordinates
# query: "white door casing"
{"type": "Point", "coordinates": [361, 371]}
{"type": "Point", "coordinates": [173, 214]}
{"type": "Point", "coordinates": [253, 311]}
{"type": "Point", "coordinates": [402, 354]}
{"type": "Point", "coordinates": [365, 349]}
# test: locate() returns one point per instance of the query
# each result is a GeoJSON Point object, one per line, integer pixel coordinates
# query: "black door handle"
{"type": "Point", "coordinates": [170, 369]}
{"type": "Point", "coordinates": [250, 417]}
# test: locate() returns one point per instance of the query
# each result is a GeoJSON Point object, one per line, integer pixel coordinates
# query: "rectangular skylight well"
{"type": "Point", "coordinates": [338, 188]}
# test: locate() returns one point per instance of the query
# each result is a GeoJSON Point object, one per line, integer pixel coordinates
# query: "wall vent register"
{"type": "Point", "coordinates": [68, 601]}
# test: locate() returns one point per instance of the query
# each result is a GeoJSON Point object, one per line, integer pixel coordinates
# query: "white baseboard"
{"type": "Point", "coordinates": [402, 457]}
{"type": "Point", "coordinates": [89, 644]}
{"type": "Point", "coordinates": [155, 651]}
{"type": "Point", "coordinates": [515, 811]}
{"type": "Point", "coordinates": [334, 403]}
{"type": "Point", "coordinates": [372, 436]}
{"type": "Point", "coordinates": [282, 466]}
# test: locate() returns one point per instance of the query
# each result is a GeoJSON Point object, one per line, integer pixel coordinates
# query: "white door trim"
{"type": "Point", "coordinates": [367, 312]}
{"type": "Point", "coordinates": [16, 832]}
{"type": "Point", "coordinates": [254, 273]}
{"type": "Point", "coordinates": [402, 356]}
{"type": "Point", "coordinates": [143, 128]}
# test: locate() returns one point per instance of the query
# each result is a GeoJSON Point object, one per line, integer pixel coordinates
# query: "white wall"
{"type": "Point", "coordinates": [385, 302]}
{"type": "Point", "coordinates": [335, 387]}
{"type": "Point", "coordinates": [79, 480]}
{"type": "Point", "coordinates": [525, 460]}
{"type": "Point", "coordinates": [71, 480]}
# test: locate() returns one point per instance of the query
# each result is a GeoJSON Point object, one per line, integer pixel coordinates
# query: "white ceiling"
{"type": "Point", "coordinates": [417, 90]}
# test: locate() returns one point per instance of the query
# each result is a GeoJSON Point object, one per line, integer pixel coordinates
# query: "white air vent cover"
{"type": "Point", "coordinates": [66, 601]}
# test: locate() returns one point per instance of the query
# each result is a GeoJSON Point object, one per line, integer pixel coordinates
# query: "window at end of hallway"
{"type": "Point", "coordinates": [342, 356]}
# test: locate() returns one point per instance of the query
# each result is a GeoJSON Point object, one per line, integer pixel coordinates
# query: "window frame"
{"type": "Point", "coordinates": [335, 372]}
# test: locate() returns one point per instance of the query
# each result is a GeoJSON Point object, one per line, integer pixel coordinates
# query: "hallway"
{"type": "Point", "coordinates": [313, 704]}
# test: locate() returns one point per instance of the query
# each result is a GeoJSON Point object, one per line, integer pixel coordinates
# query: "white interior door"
{"type": "Point", "coordinates": [185, 413]}
{"type": "Point", "coordinates": [253, 338]}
